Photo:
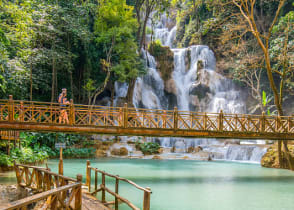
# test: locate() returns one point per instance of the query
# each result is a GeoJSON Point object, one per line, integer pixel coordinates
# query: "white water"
{"type": "Point", "coordinates": [220, 94]}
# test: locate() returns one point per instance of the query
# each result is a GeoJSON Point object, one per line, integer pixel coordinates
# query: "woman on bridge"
{"type": "Point", "coordinates": [62, 100]}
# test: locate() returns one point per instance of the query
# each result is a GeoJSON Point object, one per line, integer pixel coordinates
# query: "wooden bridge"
{"type": "Point", "coordinates": [44, 117]}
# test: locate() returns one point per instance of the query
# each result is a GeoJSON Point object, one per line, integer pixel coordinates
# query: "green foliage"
{"type": "Point", "coordinates": [265, 102]}
{"type": "Point", "coordinates": [115, 27]}
{"type": "Point", "coordinates": [49, 139]}
{"type": "Point", "coordinates": [156, 48]}
{"type": "Point", "coordinates": [5, 160]}
{"type": "Point", "coordinates": [79, 153]}
{"type": "Point", "coordinates": [23, 155]}
{"type": "Point", "coordinates": [148, 148]}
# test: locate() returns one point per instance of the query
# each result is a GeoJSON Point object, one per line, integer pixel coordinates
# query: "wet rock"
{"type": "Point", "coordinates": [170, 86]}
{"type": "Point", "coordinates": [122, 151]}
{"type": "Point", "coordinates": [190, 149]}
{"type": "Point", "coordinates": [198, 149]}
{"type": "Point", "coordinates": [164, 58]}
{"type": "Point", "coordinates": [156, 157]}
{"type": "Point", "coordinates": [199, 89]}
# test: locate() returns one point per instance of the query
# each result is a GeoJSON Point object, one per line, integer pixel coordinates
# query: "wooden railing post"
{"type": "Point", "coordinates": [21, 113]}
{"type": "Point", "coordinates": [289, 124]}
{"type": "Point", "coordinates": [125, 118]}
{"type": "Point", "coordinates": [116, 191]}
{"type": "Point", "coordinates": [17, 173]}
{"type": "Point", "coordinates": [78, 196]}
{"type": "Point", "coordinates": [262, 122]}
{"type": "Point", "coordinates": [176, 113]}
{"type": "Point", "coordinates": [146, 201]}
{"type": "Point", "coordinates": [10, 109]}
{"type": "Point", "coordinates": [205, 121]}
{"type": "Point", "coordinates": [96, 180]}
{"type": "Point", "coordinates": [88, 175]}
{"type": "Point", "coordinates": [71, 113]}
{"type": "Point", "coordinates": [103, 188]}
{"type": "Point", "coordinates": [221, 120]}
{"type": "Point", "coordinates": [278, 123]}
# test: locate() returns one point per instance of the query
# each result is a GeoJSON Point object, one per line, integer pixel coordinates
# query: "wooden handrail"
{"type": "Point", "coordinates": [103, 188]}
{"type": "Point", "coordinates": [34, 198]}
{"type": "Point", "coordinates": [122, 179]}
{"type": "Point", "coordinates": [45, 170]}
{"type": "Point", "coordinates": [44, 116]}
{"type": "Point", "coordinates": [57, 189]}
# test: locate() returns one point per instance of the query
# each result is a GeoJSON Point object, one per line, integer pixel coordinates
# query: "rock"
{"type": "Point", "coordinates": [271, 158]}
{"type": "Point", "coordinates": [170, 86]}
{"type": "Point", "coordinates": [156, 157]}
{"type": "Point", "coordinates": [190, 149]}
{"type": "Point", "coordinates": [164, 58]}
{"type": "Point", "coordinates": [186, 158]}
{"type": "Point", "coordinates": [100, 153]}
{"type": "Point", "coordinates": [122, 151]}
{"type": "Point", "coordinates": [198, 149]}
{"type": "Point", "coordinates": [199, 89]}
{"type": "Point", "coordinates": [160, 150]}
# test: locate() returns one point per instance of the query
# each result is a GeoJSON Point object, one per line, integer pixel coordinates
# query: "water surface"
{"type": "Point", "coordinates": [186, 185]}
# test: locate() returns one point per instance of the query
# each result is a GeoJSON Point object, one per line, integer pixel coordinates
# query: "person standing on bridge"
{"type": "Point", "coordinates": [62, 100]}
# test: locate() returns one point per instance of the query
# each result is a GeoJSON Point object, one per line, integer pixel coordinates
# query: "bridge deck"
{"type": "Point", "coordinates": [45, 117]}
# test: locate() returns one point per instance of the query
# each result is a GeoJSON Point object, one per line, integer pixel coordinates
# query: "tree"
{"type": "Point", "coordinates": [114, 28]}
{"type": "Point", "coordinates": [247, 9]}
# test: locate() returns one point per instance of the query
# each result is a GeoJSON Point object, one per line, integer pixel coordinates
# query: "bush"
{"type": "Point", "coordinates": [79, 153]}
{"type": "Point", "coordinates": [148, 148]}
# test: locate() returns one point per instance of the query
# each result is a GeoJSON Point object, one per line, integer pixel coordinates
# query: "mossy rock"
{"type": "Point", "coordinates": [164, 58]}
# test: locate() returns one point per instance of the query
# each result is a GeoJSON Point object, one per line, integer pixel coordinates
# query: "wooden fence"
{"type": "Point", "coordinates": [117, 197]}
{"type": "Point", "coordinates": [9, 135]}
{"type": "Point", "coordinates": [59, 192]}
{"type": "Point", "coordinates": [41, 116]}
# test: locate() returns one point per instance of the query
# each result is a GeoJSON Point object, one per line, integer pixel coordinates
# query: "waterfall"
{"type": "Point", "coordinates": [196, 89]}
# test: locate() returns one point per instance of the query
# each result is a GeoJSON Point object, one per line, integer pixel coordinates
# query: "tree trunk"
{"type": "Point", "coordinates": [31, 81]}
{"type": "Point", "coordinates": [53, 80]}
{"type": "Point", "coordinates": [131, 92]}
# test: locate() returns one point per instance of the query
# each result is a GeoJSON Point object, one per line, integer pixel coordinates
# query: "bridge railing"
{"type": "Point", "coordinates": [117, 198]}
{"type": "Point", "coordinates": [126, 117]}
{"type": "Point", "coordinates": [58, 191]}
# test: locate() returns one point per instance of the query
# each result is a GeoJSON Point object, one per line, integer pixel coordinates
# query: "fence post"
{"type": "Point", "coordinates": [88, 175]}
{"type": "Point", "coordinates": [176, 118]}
{"type": "Point", "coordinates": [78, 197]}
{"type": "Point", "coordinates": [103, 188]}
{"type": "Point", "coordinates": [221, 120]}
{"type": "Point", "coordinates": [289, 124]}
{"type": "Point", "coordinates": [205, 121]}
{"type": "Point", "coordinates": [146, 201]}
{"type": "Point", "coordinates": [116, 191]}
{"type": "Point", "coordinates": [278, 123]}
{"type": "Point", "coordinates": [71, 113]}
{"type": "Point", "coordinates": [21, 113]}
{"type": "Point", "coordinates": [263, 122]}
{"type": "Point", "coordinates": [125, 112]}
{"type": "Point", "coordinates": [96, 180]}
{"type": "Point", "coordinates": [10, 109]}
{"type": "Point", "coordinates": [17, 173]}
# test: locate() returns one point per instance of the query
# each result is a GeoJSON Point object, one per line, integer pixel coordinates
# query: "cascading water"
{"type": "Point", "coordinates": [197, 88]}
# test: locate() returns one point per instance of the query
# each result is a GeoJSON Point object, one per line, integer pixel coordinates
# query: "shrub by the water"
{"type": "Point", "coordinates": [79, 153]}
{"type": "Point", "coordinates": [148, 148]}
